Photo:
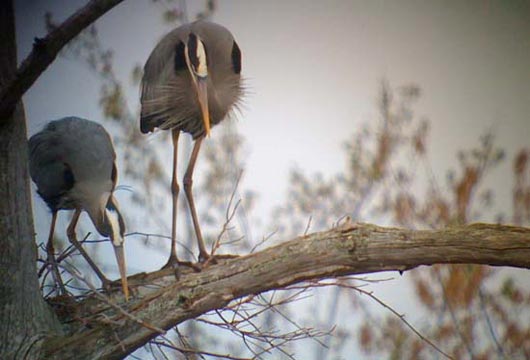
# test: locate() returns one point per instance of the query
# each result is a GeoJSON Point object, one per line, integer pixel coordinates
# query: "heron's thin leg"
{"type": "Point", "coordinates": [51, 256]}
{"type": "Point", "coordinates": [188, 182]}
{"type": "Point", "coordinates": [173, 260]}
{"type": "Point", "coordinates": [73, 239]}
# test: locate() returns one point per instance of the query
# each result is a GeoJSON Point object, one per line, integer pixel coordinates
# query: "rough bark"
{"type": "Point", "coordinates": [24, 317]}
{"type": "Point", "coordinates": [45, 51]}
{"type": "Point", "coordinates": [162, 302]}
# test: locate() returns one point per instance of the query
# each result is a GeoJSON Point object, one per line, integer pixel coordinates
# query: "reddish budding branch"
{"type": "Point", "coordinates": [163, 302]}
{"type": "Point", "coordinates": [45, 50]}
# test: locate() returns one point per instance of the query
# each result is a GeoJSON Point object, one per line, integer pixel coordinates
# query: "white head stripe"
{"type": "Point", "coordinates": [202, 69]}
{"type": "Point", "coordinates": [114, 223]}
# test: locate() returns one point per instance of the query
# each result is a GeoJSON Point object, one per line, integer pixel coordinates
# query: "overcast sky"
{"type": "Point", "coordinates": [471, 60]}
{"type": "Point", "coordinates": [314, 68]}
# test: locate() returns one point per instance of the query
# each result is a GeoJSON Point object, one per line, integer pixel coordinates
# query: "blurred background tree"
{"type": "Point", "coordinates": [473, 312]}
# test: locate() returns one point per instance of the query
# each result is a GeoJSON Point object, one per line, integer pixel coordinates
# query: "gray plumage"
{"type": "Point", "coordinates": [168, 98]}
{"type": "Point", "coordinates": [72, 162]}
{"type": "Point", "coordinates": [191, 82]}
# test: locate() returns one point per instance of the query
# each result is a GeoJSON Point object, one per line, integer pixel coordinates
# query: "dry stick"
{"type": "Point", "coordinates": [45, 51]}
{"type": "Point", "coordinates": [73, 271]}
{"type": "Point", "coordinates": [235, 309]}
{"type": "Point", "coordinates": [305, 331]}
{"type": "Point", "coordinates": [148, 235]}
{"type": "Point", "coordinates": [462, 336]}
{"type": "Point", "coordinates": [308, 225]}
{"type": "Point", "coordinates": [263, 241]}
{"type": "Point", "coordinates": [229, 215]}
{"type": "Point", "coordinates": [71, 248]}
{"type": "Point", "coordinates": [269, 338]}
{"type": "Point", "coordinates": [482, 298]}
{"type": "Point", "coordinates": [217, 244]}
{"type": "Point", "coordinates": [402, 318]}
{"type": "Point", "coordinates": [196, 352]}
{"type": "Point", "coordinates": [257, 334]}
{"type": "Point", "coordinates": [63, 255]}
{"type": "Point", "coordinates": [358, 288]}
{"type": "Point", "coordinates": [159, 347]}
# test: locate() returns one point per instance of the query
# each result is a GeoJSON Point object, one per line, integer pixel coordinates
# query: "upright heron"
{"type": "Point", "coordinates": [72, 162]}
{"type": "Point", "coordinates": [191, 82]}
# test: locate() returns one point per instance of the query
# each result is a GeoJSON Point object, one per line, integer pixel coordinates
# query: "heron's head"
{"type": "Point", "coordinates": [110, 223]}
{"type": "Point", "coordinates": [195, 55]}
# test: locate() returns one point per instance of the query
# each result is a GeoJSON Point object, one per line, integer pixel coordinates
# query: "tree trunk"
{"type": "Point", "coordinates": [25, 319]}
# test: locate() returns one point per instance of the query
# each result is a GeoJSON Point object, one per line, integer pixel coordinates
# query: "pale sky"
{"type": "Point", "coordinates": [471, 60]}
{"type": "Point", "coordinates": [314, 68]}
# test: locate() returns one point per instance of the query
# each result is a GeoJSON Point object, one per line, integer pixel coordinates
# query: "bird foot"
{"type": "Point", "coordinates": [206, 259]}
{"type": "Point", "coordinates": [110, 286]}
{"type": "Point", "coordinates": [174, 263]}
{"type": "Point", "coordinates": [106, 285]}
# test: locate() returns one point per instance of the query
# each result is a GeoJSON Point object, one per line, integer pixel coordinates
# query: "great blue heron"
{"type": "Point", "coordinates": [72, 162]}
{"type": "Point", "coordinates": [191, 82]}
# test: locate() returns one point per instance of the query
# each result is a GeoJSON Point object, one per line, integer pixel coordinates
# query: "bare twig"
{"type": "Point", "coordinates": [491, 329]}
{"type": "Point", "coordinates": [308, 226]}
{"type": "Point", "coordinates": [402, 318]}
{"type": "Point", "coordinates": [263, 241]}
{"type": "Point", "coordinates": [74, 272]}
{"type": "Point", "coordinates": [449, 307]}
{"type": "Point", "coordinates": [197, 352]}
{"type": "Point", "coordinates": [229, 215]}
{"type": "Point", "coordinates": [45, 51]}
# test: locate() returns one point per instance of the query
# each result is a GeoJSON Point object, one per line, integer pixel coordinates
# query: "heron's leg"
{"type": "Point", "coordinates": [51, 256]}
{"type": "Point", "coordinates": [173, 260]}
{"type": "Point", "coordinates": [70, 232]}
{"type": "Point", "coordinates": [188, 182]}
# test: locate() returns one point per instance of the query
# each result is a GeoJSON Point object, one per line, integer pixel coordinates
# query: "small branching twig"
{"type": "Point", "coordinates": [229, 216]}
{"type": "Point", "coordinates": [402, 318]}
{"type": "Point", "coordinates": [263, 241]}
{"type": "Point", "coordinates": [197, 352]}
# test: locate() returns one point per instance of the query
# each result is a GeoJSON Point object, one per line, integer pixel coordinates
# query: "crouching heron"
{"type": "Point", "coordinates": [72, 162]}
{"type": "Point", "coordinates": [191, 82]}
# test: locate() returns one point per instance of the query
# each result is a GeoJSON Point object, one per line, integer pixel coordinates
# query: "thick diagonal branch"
{"type": "Point", "coordinates": [45, 51]}
{"type": "Point", "coordinates": [347, 250]}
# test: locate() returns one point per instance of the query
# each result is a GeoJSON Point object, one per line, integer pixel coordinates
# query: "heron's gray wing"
{"type": "Point", "coordinates": [49, 171]}
{"type": "Point", "coordinates": [164, 83]}
{"type": "Point", "coordinates": [72, 152]}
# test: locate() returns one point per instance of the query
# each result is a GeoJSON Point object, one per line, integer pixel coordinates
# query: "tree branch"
{"type": "Point", "coordinates": [349, 249]}
{"type": "Point", "coordinates": [45, 51]}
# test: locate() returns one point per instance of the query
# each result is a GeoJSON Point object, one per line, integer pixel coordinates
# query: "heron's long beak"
{"type": "Point", "coordinates": [202, 93]}
{"type": "Point", "coordinates": [120, 257]}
